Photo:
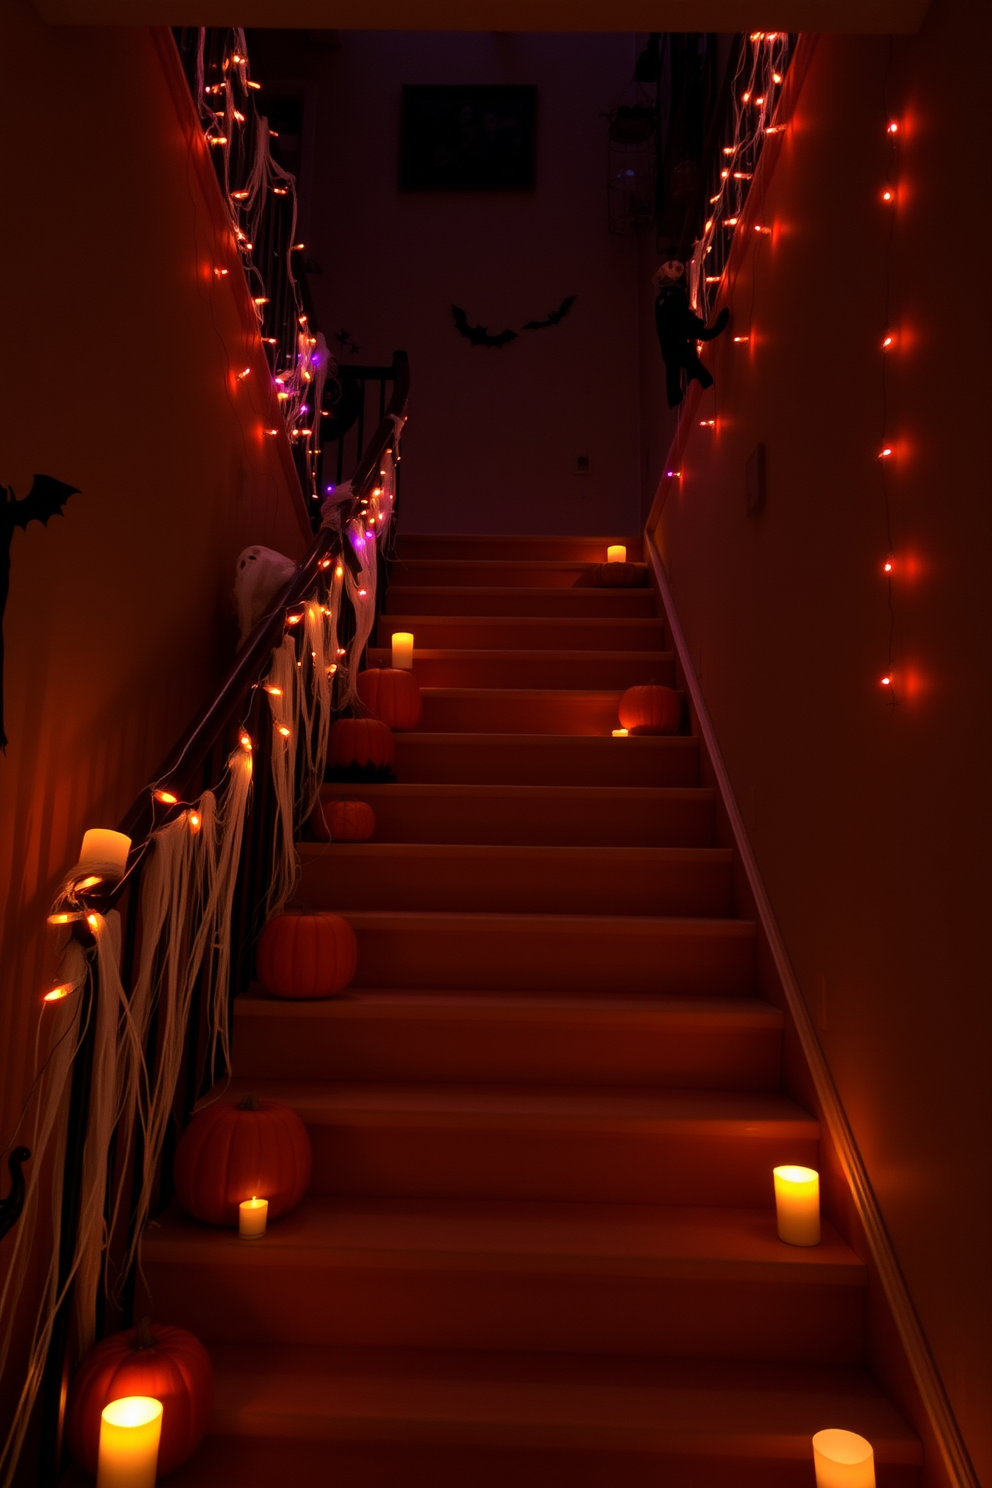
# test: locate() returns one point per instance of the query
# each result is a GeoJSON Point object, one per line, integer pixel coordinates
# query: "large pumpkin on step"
{"type": "Point", "coordinates": [342, 821]}
{"type": "Point", "coordinates": [651, 710]}
{"type": "Point", "coordinates": [392, 695]}
{"type": "Point", "coordinates": [614, 576]}
{"type": "Point", "coordinates": [306, 955]}
{"type": "Point", "coordinates": [167, 1363]}
{"type": "Point", "coordinates": [360, 749]}
{"type": "Point", "coordinates": [232, 1151]}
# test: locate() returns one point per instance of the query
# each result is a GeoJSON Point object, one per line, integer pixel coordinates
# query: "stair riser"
{"type": "Point", "coordinates": [402, 1458]}
{"type": "Point", "coordinates": [506, 1049]}
{"type": "Point", "coordinates": [526, 634]}
{"type": "Point", "coordinates": [343, 877]}
{"type": "Point", "coordinates": [625, 1163]}
{"type": "Point", "coordinates": [520, 711]}
{"type": "Point", "coordinates": [420, 1302]}
{"type": "Point", "coordinates": [407, 600]}
{"type": "Point", "coordinates": [485, 573]}
{"type": "Point", "coordinates": [520, 548]}
{"type": "Point", "coordinates": [537, 820]}
{"type": "Point", "coordinates": [562, 957]}
{"type": "Point", "coordinates": [474, 760]}
{"type": "Point", "coordinates": [521, 669]}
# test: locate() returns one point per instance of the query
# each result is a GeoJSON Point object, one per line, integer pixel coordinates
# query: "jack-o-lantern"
{"type": "Point", "coordinates": [360, 749]}
{"type": "Point", "coordinates": [342, 821]}
{"type": "Point", "coordinates": [392, 695]}
{"type": "Point", "coordinates": [306, 955]}
{"type": "Point", "coordinates": [651, 709]}
{"type": "Point", "coordinates": [167, 1363]}
{"type": "Point", "coordinates": [231, 1151]}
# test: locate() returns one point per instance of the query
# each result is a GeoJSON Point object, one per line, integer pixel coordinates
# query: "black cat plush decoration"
{"type": "Point", "coordinates": [679, 328]}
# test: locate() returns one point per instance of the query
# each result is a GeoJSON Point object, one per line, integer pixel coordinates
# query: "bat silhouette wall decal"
{"type": "Point", "coordinates": [46, 498]}
{"type": "Point", "coordinates": [479, 335]}
{"type": "Point", "coordinates": [553, 316]}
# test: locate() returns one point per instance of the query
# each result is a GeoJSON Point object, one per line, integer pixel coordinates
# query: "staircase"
{"type": "Point", "coordinates": [540, 1242]}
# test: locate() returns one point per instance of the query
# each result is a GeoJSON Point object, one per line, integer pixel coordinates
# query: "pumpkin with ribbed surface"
{"type": "Point", "coordinates": [614, 576]}
{"type": "Point", "coordinates": [167, 1363]}
{"type": "Point", "coordinates": [360, 749]}
{"type": "Point", "coordinates": [392, 695]}
{"type": "Point", "coordinates": [651, 709]}
{"type": "Point", "coordinates": [342, 821]}
{"type": "Point", "coordinates": [306, 955]}
{"type": "Point", "coordinates": [250, 1149]}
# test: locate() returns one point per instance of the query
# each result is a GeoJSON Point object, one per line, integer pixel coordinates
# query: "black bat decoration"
{"type": "Point", "coordinates": [479, 335]}
{"type": "Point", "coordinates": [554, 316]}
{"type": "Point", "coordinates": [46, 498]}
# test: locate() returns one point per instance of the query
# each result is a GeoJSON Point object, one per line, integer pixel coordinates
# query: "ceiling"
{"type": "Point", "coordinates": [864, 16]}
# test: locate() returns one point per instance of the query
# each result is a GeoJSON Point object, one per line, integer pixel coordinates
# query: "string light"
{"type": "Point", "coordinates": [57, 993]}
{"type": "Point", "coordinates": [244, 374]}
{"type": "Point", "coordinates": [887, 566]}
{"type": "Point", "coordinates": [885, 452]}
{"type": "Point", "coordinates": [245, 742]}
{"type": "Point", "coordinates": [65, 917]}
{"type": "Point", "coordinates": [893, 127]}
{"type": "Point", "coordinates": [888, 341]}
{"type": "Point", "coordinates": [166, 797]}
{"type": "Point", "coordinates": [272, 690]}
{"type": "Point", "coordinates": [195, 822]}
{"type": "Point", "coordinates": [93, 920]}
{"type": "Point", "coordinates": [221, 273]}
{"type": "Point", "coordinates": [888, 195]}
{"type": "Point", "coordinates": [283, 730]}
{"type": "Point", "coordinates": [765, 232]}
{"type": "Point", "coordinates": [339, 572]}
{"type": "Point", "coordinates": [741, 340]}
{"type": "Point", "coordinates": [707, 423]}
{"type": "Point", "coordinates": [90, 882]}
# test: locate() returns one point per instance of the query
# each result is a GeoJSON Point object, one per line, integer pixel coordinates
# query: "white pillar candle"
{"type": "Point", "coordinates": [797, 1205]}
{"type": "Point", "coordinates": [252, 1216]}
{"type": "Point", "coordinates": [403, 649]}
{"type": "Point", "coordinates": [104, 849]}
{"type": "Point", "coordinates": [843, 1460]}
{"type": "Point", "coordinates": [129, 1437]}
{"type": "Point", "coordinates": [620, 733]}
{"type": "Point", "coordinates": [617, 553]}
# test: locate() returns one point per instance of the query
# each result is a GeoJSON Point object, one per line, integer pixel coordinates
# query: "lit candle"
{"type": "Point", "coordinates": [403, 649]}
{"type": "Point", "coordinates": [129, 1437]}
{"type": "Point", "coordinates": [797, 1205]}
{"type": "Point", "coordinates": [616, 554]}
{"type": "Point", "coordinates": [106, 850]}
{"type": "Point", "coordinates": [843, 1460]}
{"type": "Point", "coordinates": [252, 1214]}
{"type": "Point", "coordinates": [620, 733]}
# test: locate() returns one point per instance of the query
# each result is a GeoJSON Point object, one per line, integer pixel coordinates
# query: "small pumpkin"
{"type": "Point", "coordinates": [306, 956]}
{"type": "Point", "coordinates": [342, 821]}
{"type": "Point", "coordinates": [232, 1151]}
{"type": "Point", "coordinates": [614, 576]}
{"type": "Point", "coordinates": [392, 695]}
{"type": "Point", "coordinates": [167, 1363]}
{"type": "Point", "coordinates": [651, 709]}
{"type": "Point", "coordinates": [360, 749]}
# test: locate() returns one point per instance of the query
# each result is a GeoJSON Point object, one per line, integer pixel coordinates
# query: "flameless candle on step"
{"type": "Point", "coordinates": [252, 1217]}
{"type": "Point", "coordinates": [106, 850]}
{"type": "Point", "coordinates": [797, 1205]}
{"type": "Point", "coordinates": [620, 733]}
{"type": "Point", "coordinates": [129, 1436]}
{"type": "Point", "coordinates": [843, 1460]}
{"type": "Point", "coordinates": [403, 649]}
{"type": "Point", "coordinates": [616, 554]}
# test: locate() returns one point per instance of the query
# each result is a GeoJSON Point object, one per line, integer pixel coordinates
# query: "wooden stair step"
{"type": "Point", "coordinates": [584, 1278]}
{"type": "Point", "coordinates": [544, 952]}
{"type": "Point", "coordinates": [370, 1418]}
{"type": "Point", "coordinates": [513, 546]}
{"type": "Point", "coordinates": [545, 759]}
{"type": "Point", "coordinates": [553, 669]}
{"type": "Point", "coordinates": [528, 632]}
{"type": "Point", "coordinates": [372, 1035]}
{"type": "Point", "coordinates": [557, 1143]}
{"type": "Point", "coordinates": [408, 599]}
{"type": "Point", "coordinates": [520, 710]}
{"type": "Point", "coordinates": [524, 880]}
{"type": "Point", "coordinates": [502, 573]}
{"type": "Point", "coordinates": [608, 816]}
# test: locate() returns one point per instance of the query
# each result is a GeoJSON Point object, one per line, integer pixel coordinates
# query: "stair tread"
{"type": "Point", "coordinates": [701, 1112]}
{"type": "Point", "coordinates": [591, 854]}
{"type": "Point", "coordinates": [724, 1244]}
{"type": "Point", "coordinates": [575, 622]}
{"type": "Point", "coordinates": [676, 742]}
{"type": "Point", "coordinates": [386, 1002]}
{"type": "Point", "coordinates": [566, 793]}
{"type": "Point", "coordinates": [505, 653]}
{"type": "Point", "coordinates": [691, 1406]}
{"type": "Point", "coordinates": [579, 924]}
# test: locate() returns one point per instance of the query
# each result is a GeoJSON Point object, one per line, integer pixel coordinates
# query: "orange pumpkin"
{"type": "Point", "coordinates": [167, 1363]}
{"type": "Point", "coordinates": [306, 955]}
{"type": "Point", "coordinates": [342, 821]}
{"type": "Point", "coordinates": [231, 1151]}
{"type": "Point", "coordinates": [391, 694]}
{"type": "Point", "coordinates": [360, 749]}
{"type": "Point", "coordinates": [651, 710]}
{"type": "Point", "coordinates": [614, 576]}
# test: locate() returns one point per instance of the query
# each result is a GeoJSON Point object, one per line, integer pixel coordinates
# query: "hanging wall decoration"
{"type": "Point", "coordinates": [46, 498]}
{"type": "Point", "coordinates": [553, 317]}
{"type": "Point", "coordinates": [479, 335]}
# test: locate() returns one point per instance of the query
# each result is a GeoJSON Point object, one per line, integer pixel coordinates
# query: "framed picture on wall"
{"type": "Point", "coordinates": [473, 138]}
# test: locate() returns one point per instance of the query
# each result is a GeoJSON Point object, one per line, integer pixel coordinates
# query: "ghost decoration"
{"type": "Point", "coordinates": [261, 573]}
